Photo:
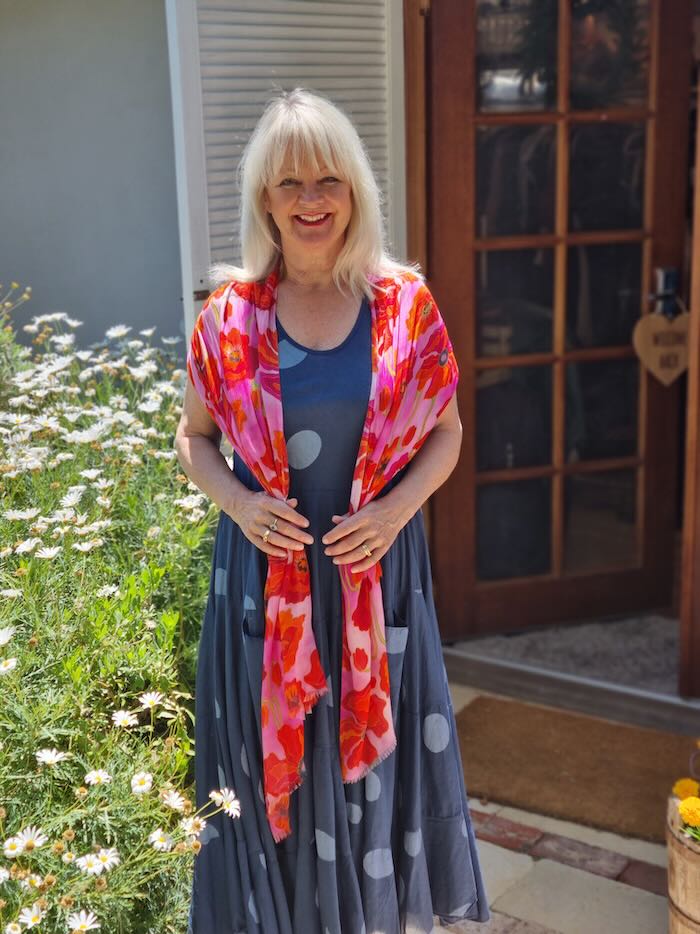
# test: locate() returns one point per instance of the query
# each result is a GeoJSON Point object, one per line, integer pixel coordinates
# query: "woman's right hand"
{"type": "Point", "coordinates": [256, 511]}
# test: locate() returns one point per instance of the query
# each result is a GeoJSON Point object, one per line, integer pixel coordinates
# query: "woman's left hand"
{"type": "Point", "coordinates": [376, 525]}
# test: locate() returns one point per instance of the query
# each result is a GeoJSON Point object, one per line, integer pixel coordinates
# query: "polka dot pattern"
{"type": "Point", "coordinates": [253, 908]}
{"type": "Point", "coordinates": [378, 864]}
{"type": "Point", "coordinates": [436, 732]}
{"type": "Point", "coordinates": [289, 355]}
{"type": "Point", "coordinates": [220, 579]}
{"type": "Point", "coordinates": [325, 846]}
{"type": "Point", "coordinates": [373, 787]}
{"type": "Point", "coordinates": [354, 813]}
{"type": "Point", "coordinates": [413, 841]}
{"type": "Point", "coordinates": [303, 448]}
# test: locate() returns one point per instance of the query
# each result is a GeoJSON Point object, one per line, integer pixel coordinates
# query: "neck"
{"type": "Point", "coordinates": [307, 273]}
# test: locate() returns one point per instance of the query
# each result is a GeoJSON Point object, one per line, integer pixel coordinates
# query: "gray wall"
{"type": "Point", "coordinates": [88, 205]}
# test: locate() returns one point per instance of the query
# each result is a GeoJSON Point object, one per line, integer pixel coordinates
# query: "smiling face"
{"type": "Point", "coordinates": [310, 206]}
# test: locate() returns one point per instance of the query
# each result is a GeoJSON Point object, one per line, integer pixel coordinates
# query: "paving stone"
{"type": "Point", "coordinates": [645, 876]}
{"type": "Point", "coordinates": [571, 901]}
{"type": "Point", "coordinates": [499, 924]}
{"type": "Point", "coordinates": [461, 695]}
{"type": "Point", "coordinates": [580, 855]}
{"type": "Point", "coordinates": [488, 807]}
{"type": "Point", "coordinates": [479, 818]}
{"type": "Point", "coordinates": [508, 834]}
{"type": "Point", "coordinates": [643, 850]}
{"type": "Point", "coordinates": [501, 868]}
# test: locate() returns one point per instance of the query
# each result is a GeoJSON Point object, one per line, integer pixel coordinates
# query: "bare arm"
{"type": "Point", "coordinates": [197, 440]}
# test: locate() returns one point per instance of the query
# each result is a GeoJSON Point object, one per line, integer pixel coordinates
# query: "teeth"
{"type": "Point", "coordinates": [311, 217]}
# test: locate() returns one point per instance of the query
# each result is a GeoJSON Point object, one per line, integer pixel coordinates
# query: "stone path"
{"type": "Point", "coordinates": [548, 876]}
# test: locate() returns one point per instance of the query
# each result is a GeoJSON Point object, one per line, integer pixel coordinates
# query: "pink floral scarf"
{"type": "Point", "coordinates": [234, 366]}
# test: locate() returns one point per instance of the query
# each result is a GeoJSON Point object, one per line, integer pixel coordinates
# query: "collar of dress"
{"type": "Point", "coordinates": [233, 364]}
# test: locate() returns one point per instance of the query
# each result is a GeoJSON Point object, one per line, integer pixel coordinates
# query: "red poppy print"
{"type": "Point", "coordinates": [236, 374]}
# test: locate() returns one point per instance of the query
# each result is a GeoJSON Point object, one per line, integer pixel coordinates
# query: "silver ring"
{"type": "Point", "coordinates": [273, 525]}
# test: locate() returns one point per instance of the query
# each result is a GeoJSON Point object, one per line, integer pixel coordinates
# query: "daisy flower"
{"type": "Point", "coordinates": [227, 799]}
{"type": "Point", "coordinates": [141, 782]}
{"type": "Point", "coordinates": [7, 664]}
{"type": "Point", "coordinates": [161, 840]}
{"type": "Point", "coordinates": [193, 826]}
{"type": "Point", "coordinates": [31, 838]}
{"type": "Point", "coordinates": [13, 846]}
{"type": "Point", "coordinates": [68, 857]}
{"type": "Point", "coordinates": [4, 874]}
{"type": "Point", "coordinates": [83, 921]}
{"type": "Point", "coordinates": [30, 917]}
{"type": "Point", "coordinates": [6, 634]}
{"type": "Point", "coordinates": [47, 553]}
{"type": "Point", "coordinates": [32, 881]}
{"type": "Point", "coordinates": [150, 699]}
{"type": "Point", "coordinates": [29, 544]}
{"type": "Point", "coordinates": [50, 756]}
{"type": "Point", "coordinates": [98, 777]}
{"type": "Point", "coordinates": [13, 928]}
{"type": "Point", "coordinates": [124, 718]}
{"type": "Point", "coordinates": [20, 513]}
{"type": "Point", "coordinates": [173, 799]}
{"type": "Point", "coordinates": [119, 330]}
{"type": "Point", "coordinates": [109, 857]}
{"type": "Point", "coordinates": [90, 864]}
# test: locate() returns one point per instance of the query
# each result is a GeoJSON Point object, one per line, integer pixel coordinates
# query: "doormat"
{"type": "Point", "coordinates": [588, 770]}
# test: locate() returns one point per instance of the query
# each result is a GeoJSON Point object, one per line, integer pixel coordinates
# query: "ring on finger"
{"type": "Point", "coordinates": [366, 549]}
{"type": "Point", "coordinates": [266, 534]}
{"type": "Point", "coordinates": [273, 525]}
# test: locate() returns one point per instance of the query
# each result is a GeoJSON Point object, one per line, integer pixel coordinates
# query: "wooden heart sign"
{"type": "Point", "coordinates": [662, 345]}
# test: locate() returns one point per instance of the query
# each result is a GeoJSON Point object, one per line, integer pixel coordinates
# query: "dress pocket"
{"type": "Point", "coordinates": [396, 641]}
{"type": "Point", "coordinates": [253, 645]}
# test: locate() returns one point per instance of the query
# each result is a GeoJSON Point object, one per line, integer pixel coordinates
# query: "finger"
{"type": "Point", "coordinates": [359, 554]}
{"type": "Point", "coordinates": [348, 542]}
{"type": "Point", "coordinates": [293, 531]}
{"type": "Point", "coordinates": [351, 524]}
{"type": "Point", "coordinates": [279, 541]}
{"type": "Point", "coordinates": [282, 509]}
{"type": "Point", "coordinates": [268, 547]}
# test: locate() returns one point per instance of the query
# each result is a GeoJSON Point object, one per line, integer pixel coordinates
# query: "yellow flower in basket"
{"type": "Point", "coordinates": [689, 810]}
{"type": "Point", "coordinates": [686, 788]}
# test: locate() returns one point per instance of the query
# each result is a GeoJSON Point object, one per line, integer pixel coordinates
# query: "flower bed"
{"type": "Point", "coordinates": [104, 567]}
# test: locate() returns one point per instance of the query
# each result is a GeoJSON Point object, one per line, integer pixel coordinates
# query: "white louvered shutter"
{"type": "Point", "coordinates": [247, 48]}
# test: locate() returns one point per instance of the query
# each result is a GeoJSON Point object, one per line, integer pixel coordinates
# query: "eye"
{"type": "Point", "coordinates": [286, 182]}
{"type": "Point", "coordinates": [331, 179]}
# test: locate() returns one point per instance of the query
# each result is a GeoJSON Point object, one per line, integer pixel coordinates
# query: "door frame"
{"type": "Point", "coordinates": [438, 125]}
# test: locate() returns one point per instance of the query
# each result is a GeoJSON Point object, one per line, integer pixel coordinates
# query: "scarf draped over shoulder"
{"type": "Point", "coordinates": [233, 364]}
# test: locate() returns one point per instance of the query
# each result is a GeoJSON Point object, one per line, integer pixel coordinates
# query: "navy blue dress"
{"type": "Point", "coordinates": [384, 854]}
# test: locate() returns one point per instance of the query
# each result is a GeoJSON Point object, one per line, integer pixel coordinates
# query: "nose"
{"type": "Point", "coordinates": [310, 193]}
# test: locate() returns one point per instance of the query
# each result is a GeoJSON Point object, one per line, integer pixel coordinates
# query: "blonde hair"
{"type": "Point", "coordinates": [310, 127]}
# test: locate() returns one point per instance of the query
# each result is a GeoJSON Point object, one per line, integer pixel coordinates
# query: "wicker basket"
{"type": "Point", "coordinates": [683, 875]}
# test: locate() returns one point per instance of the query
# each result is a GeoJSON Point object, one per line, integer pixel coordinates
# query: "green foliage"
{"type": "Point", "coordinates": [105, 549]}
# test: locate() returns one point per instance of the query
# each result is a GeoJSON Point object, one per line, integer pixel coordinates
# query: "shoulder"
{"type": "Point", "coordinates": [399, 289]}
{"type": "Point", "coordinates": [235, 295]}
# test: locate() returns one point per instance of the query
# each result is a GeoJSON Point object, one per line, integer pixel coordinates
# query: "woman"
{"type": "Point", "coordinates": [321, 695]}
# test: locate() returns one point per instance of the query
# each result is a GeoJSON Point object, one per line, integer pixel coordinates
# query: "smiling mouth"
{"type": "Point", "coordinates": [311, 220]}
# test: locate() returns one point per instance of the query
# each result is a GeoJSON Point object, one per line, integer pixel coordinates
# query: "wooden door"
{"type": "Point", "coordinates": [556, 178]}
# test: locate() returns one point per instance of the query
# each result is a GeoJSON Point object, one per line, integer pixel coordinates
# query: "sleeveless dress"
{"type": "Point", "coordinates": [386, 853]}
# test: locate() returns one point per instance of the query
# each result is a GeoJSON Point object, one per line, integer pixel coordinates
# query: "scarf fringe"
{"type": "Point", "coordinates": [371, 765]}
